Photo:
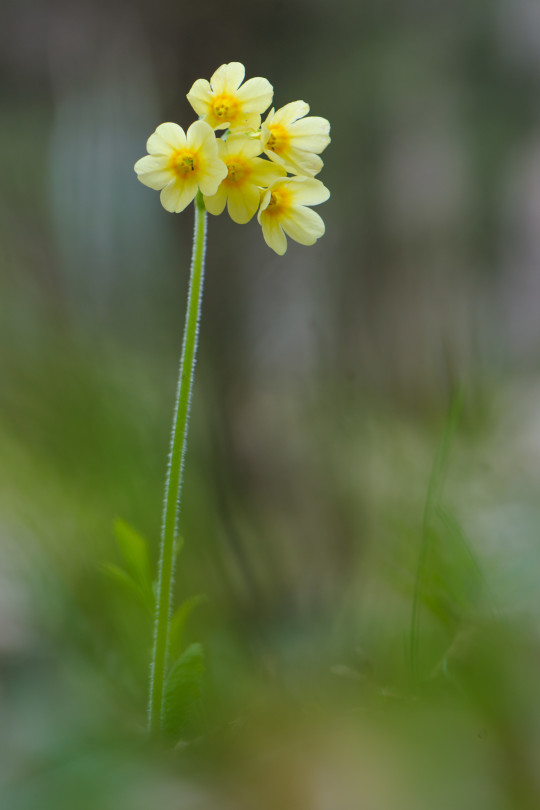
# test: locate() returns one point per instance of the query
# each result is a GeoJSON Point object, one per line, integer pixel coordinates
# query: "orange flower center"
{"type": "Point", "coordinates": [224, 108]}
{"type": "Point", "coordinates": [280, 201]}
{"type": "Point", "coordinates": [278, 140]}
{"type": "Point", "coordinates": [239, 171]}
{"type": "Point", "coordinates": [183, 162]}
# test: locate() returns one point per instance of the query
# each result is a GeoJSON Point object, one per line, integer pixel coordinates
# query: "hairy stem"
{"type": "Point", "coordinates": [173, 482]}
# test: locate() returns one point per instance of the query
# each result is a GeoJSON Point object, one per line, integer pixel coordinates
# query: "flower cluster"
{"type": "Point", "coordinates": [229, 170]}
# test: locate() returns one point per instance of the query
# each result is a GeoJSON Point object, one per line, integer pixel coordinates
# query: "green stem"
{"type": "Point", "coordinates": [173, 481]}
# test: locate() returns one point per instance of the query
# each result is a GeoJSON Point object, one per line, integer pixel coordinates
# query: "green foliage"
{"type": "Point", "coordinates": [427, 588]}
{"type": "Point", "coordinates": [455, 584]}
{"type": "Point", "coordinates": [452, 592]}
{"type": "Point", "coordinates": [135, 552]}
{"type": "Point", "coordinates": [178, 621]}
{"type": "Point", "coordinates": [126, 582]}
{"type": "Point", "coordinates": [182, 702]}
{"type": "Point", "coordinates": [183, 685]}
{"type": "Point", "coordinates": [137, 579]}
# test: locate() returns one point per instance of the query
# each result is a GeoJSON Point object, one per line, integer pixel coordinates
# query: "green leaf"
{"type": "Point", "coordinates": [127, 583]}
{"type": "Point", "coordinates": [134, 550]}
{"type": "Point", "coordinates": [181, 615]}
{"type": "Point", "coordinates": [182, 701]}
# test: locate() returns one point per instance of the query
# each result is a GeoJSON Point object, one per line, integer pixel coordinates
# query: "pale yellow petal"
{"type": "Point", "coordinates": [264, 172]}
{"type": "Point", "coordinates": [265, 199]}
{"type": "Point", "coordinates": [243, 203]}
{"type": "Point", "coordinates": [221, 148]}
{"type": "Point", "coordinates": [269, 120]}
{"type": "Point", "coordinates": [275, 158]}
{"type": "Point", "coordinates": [242, 144]}
{"type": "Point", "coordinates": [216, 203]}
{"type": "Point", "coordinates": [178, 194]}
{"type": "Point", "coordinates": [256, 95]}
{"type": "Point", "coordinates": [166, 139]}
{"type": "Point", "coordinates": [307, 190]}
{"type": "Point", "coordinates": [217, 79]}
{"type": "Point", "coordinates": [290, 112]}
{"type": "Point", "coordinates": [200, 136]}
{"type": "Point", "coordinates": [311, 134]}
{"type": "Point", "coordinates": [303, 225]}
{"type": "Point", "coordinates": [228, 78]}
{"type": "Point", "coordinates": [273, 234]}
{"type": "Point", "coordinates": [153, 171]}
{"type": "Point", "coordinates": [297, 161]}
{"type": "Point", "coordinates": [248, 122]}
{"type": "Point", "coordinates": [200, 96]}
{"type": "Point", "coordinates": [212, 173]}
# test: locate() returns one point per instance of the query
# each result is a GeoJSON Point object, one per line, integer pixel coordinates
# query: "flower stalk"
{"type": "Point", "coordinates": [173, 482]}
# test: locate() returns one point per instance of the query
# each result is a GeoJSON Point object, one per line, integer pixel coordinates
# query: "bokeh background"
{"type": "Point", "coordinates": [361, 503]}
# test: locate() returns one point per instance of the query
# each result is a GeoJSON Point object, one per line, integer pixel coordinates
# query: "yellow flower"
{"type": "Point", "coordinates": [294, 141]}
{"type": "Point", "coordinates": [224, 104]}
{"type": "Point", "coordinates": [179, 164]}
{"type": "Point", "coordinates": [247, 173]}
{"type": "Point", "coordinates": [283, 211]}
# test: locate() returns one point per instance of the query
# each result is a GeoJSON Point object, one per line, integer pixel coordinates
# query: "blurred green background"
{"type": "Point", "coordinates": [370, 556]}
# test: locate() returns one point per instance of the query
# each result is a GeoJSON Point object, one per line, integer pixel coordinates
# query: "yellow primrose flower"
{"type": "Point", "coordinates": [247, 173]}
{"type": "Point", "coordinates": [180, 163]}
{"type": "Point", "coordinates": [283, 211]}
{"type": "Point", "coordinates": [224, 104]}
{"type": "Point", "coordinates": [294, 141]}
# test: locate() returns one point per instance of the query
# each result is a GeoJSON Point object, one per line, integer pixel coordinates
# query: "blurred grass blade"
{"type": "Point", "coordinates": [434, 493]}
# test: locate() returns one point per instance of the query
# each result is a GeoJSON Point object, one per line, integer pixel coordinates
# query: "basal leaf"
{"type": "Point", "coordinates": [127, 583]}
{"type": "Point", "coordinates": [134, 550]}
{"type": "Point", "coordinates": [178, 621]}
{"type": "Point", "coordinates": [183, 693]}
